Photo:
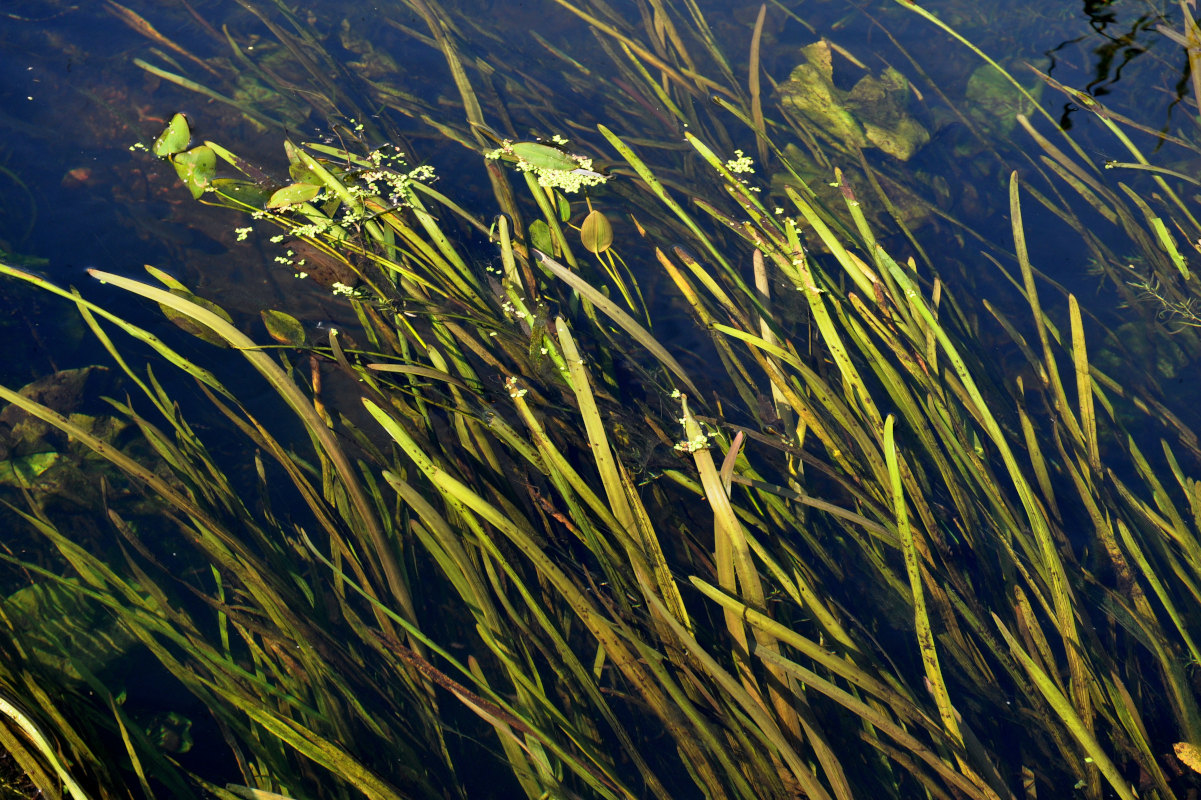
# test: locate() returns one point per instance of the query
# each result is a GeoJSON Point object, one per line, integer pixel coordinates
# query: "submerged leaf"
{"type": "Point", "coordinates": [62, 629]}
{"type": "Point", "coordinates": [174, 138]}
{"type": "Point", "coordinates": [24, 471]}
{"type": "Point", "coordinates": [995, 102]}
{"type": "Point", "coordinates": [170, 731]}
{"type": "Point", "coordinates": [541, 237]}
{"type": "Point", "coordinates": [283, 328]}
{"type": "Point", "coordinates": [240, 193]}
{"type": "Point", "coordinates": [1189, 755]}
{"type": "Point", "coordinates": [192, 326]}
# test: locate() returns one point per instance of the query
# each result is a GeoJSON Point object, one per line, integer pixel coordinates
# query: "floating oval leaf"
{"type": "Point", "coordinates": [196, 168]}
{"type": "Point", "coordinates": [543, 156]}
{"type": "Point", "coordinates": [596, 233]}
{"type": "Point", "coordinates": [174, 138]}
{"type": "Point", "coordinates": [293, 194]}
{"type": "Point", "coordinates": [283, 328]}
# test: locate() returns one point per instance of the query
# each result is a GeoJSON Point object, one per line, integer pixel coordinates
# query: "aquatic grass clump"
{"type": "Point", "coordinates": [855, 559]}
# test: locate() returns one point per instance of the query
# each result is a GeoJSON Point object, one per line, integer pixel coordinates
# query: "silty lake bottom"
{"type": "Point", "coordinates": [583, 399]}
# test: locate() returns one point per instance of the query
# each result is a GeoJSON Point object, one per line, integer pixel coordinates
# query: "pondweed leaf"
{"type": "Point", "coordinates": [283, 328]}
{"type": "Point", "coordinates": [238, 163]}
{"type": "Point", "coordinates": [240, 192]}
{"type": "Point", "coordinates": [293, 194]}
{"type": "Point", "coordinates": [190, 325]}
{"type": "Point", "coordinates": [165, 278]}
{"type": "Point", "coordinates": [174, 138]}
{"type": "Point", "coordinates": [196, 168]}
{"type": "Point", "coordinates": [596, 233]}
{"type": "Point", "coordinates": [302, 174]}
{"type": "Point", "coordinates": [543, 156]}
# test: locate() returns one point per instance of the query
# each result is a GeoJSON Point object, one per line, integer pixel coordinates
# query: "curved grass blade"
{"type": "Point", "coordinates": [623, 320]}
{"type": "Point", "coordinates": [925, 634]}
{"type": "Point", "coordinates": [48, 750]}
{"type": "Point", "coordinates": [1067, 714]}
{"type": "Point", "coordinates": [300, 404]}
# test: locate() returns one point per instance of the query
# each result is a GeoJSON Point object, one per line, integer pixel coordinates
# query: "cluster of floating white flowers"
{"type": "Point", "coordinates": [742, 164]}
{"type": "Point", "coordinates": [698, 442]}
{"type": "Point", "coordinates": [388, 181]}
{"type": "Point", "coordinates": [310, 231]}
{"type": "Point", "coordinates": [552, 167]}
{"type": "Point", "coordinates": [515, 391]}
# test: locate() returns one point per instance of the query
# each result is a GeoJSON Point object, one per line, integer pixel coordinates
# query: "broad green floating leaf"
{"type": "Point", "coordinates": [174, 138]}
{"type": "Point", "coordinates": [196, 168]}
{"type": "Point", "coordinates": [297, 168]}
{"type": "Point", "coordinates": [543, 156]}
{"type": "Point", "coordinates": [293, 194]}
{"type": "Point", "coordinates": [302, 174]}
{"type": "Point", "coordinates": [596, 233]}
{"type": "Point", "coordinates": [283, 328]}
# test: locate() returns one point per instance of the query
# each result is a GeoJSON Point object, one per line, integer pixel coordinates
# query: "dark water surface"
{"type": "Point", "coordinates": [73, 102]}
{"type": "Point", "coordinates": [76, 192]}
